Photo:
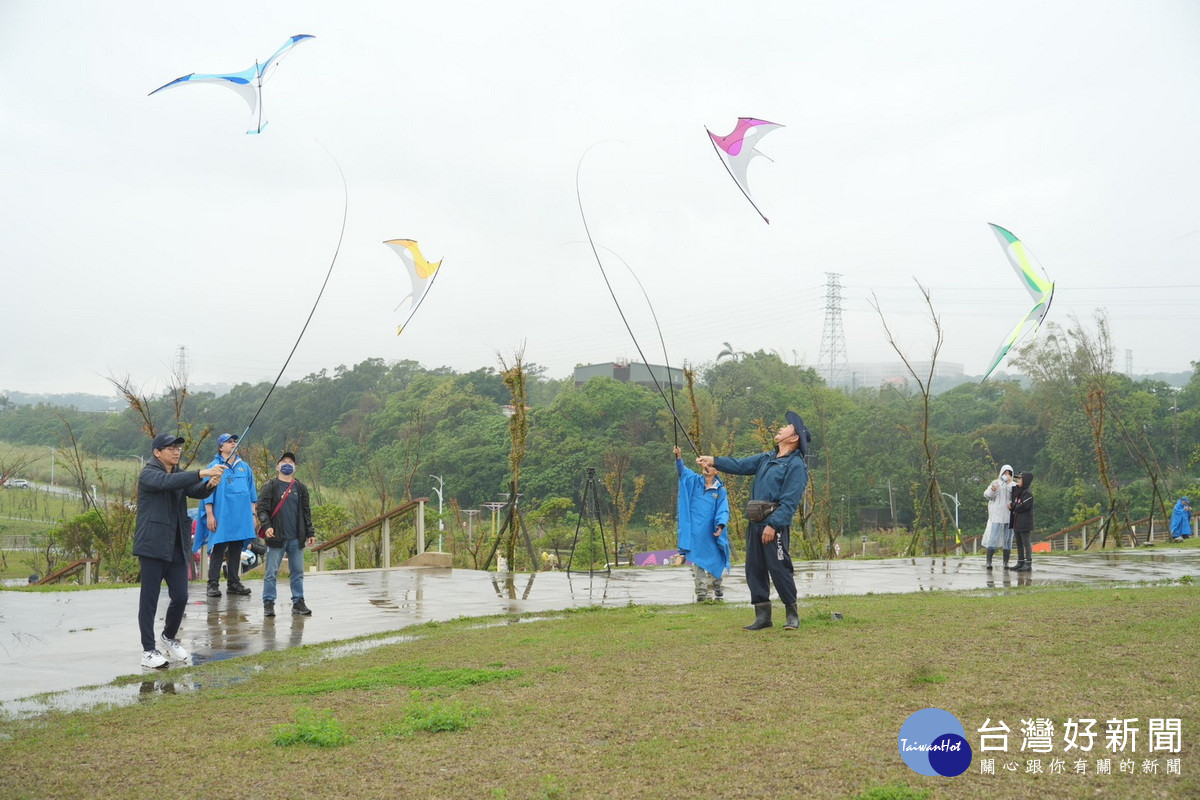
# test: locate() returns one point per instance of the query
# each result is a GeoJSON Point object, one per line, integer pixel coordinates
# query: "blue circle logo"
{"type": "Point", "coordinates": [933, 742]}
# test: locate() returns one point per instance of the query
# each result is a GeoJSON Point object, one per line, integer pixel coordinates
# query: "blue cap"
{"type": "Point", "coordinates": [796, 422]}
{"type": "Point", "coordinates": [225, 437]}
{"type": "Point", "coordinates": [165, 440]}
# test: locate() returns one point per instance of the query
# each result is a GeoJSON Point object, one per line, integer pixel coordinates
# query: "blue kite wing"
{"type": "Point", "coordinates": [247, 83]}
{"type": "Point", "coordinates": [273, 61]}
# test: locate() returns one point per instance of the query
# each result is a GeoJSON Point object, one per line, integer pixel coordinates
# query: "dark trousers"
{"type": "Point", "coordinates": [1024, 550]}
{"type": "Point", "coordinates": [769, 563]}
{"type": "Point", "coordinates": [229, 553]}
{"type": "Point", "coordinates": [154, 572]}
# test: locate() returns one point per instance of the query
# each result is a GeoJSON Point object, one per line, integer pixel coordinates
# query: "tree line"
{"type": "Point", "coordinates": [1098, 441]}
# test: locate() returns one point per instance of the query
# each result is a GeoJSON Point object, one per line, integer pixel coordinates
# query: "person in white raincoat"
{"type": "Point", "coordinates": [999, 533]}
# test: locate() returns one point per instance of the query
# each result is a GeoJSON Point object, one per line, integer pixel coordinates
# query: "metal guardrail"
{"type": "Point", "coordinates": [384, 522]}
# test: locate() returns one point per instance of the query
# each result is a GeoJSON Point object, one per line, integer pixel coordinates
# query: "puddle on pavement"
{"type": "Point", "coordinates": [158, 683]}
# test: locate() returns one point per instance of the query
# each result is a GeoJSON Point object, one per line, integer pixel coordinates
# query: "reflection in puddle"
{"type": "Point", "coordinates": [161, 683]}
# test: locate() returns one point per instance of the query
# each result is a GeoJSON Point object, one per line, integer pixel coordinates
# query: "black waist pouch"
{"type": "Point", "coordinates": [758, 510]}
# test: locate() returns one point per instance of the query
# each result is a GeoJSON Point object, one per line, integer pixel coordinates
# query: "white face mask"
{"type": "Point", "coordinates": [1006, 478]}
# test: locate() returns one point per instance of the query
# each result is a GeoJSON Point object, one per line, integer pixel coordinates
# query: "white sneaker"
{"type": "Point", "coordinates": [173, 648]}
{"type": "Point", "coordinates": [152, 659]}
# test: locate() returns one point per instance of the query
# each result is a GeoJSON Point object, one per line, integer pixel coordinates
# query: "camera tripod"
{"type": "Point", "coordinates": [589, 488]}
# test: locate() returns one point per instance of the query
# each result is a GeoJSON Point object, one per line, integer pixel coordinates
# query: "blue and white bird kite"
{"type": "Point", "coordinates": [248, 83]}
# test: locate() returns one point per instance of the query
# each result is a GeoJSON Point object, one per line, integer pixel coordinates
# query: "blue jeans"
{"type": "Point", "coordinates": [295, 556]}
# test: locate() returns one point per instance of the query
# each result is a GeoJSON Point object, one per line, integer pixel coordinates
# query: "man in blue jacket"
{"type": "Point", "coordinates": [161, 542]}
{"type": "Point", "coordinates": [703, 507]}
{"type": "Point", "coordinates": [227, 518]}
{"type": "Point", "coordinates": [780, 478]}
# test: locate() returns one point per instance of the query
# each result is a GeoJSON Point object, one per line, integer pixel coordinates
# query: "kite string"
{"type": "Point", "coordinates": [313, 310]}
{"type": "Point", "coordinates": [661, 339]}
{"type": "Point", "coordinates": [617, 303]}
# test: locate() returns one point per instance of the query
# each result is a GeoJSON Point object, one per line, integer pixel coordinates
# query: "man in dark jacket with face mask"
{"type": "Point", "coordinates": [285, 517]}
{"type": "Point", "coordinates": [1021, 505]}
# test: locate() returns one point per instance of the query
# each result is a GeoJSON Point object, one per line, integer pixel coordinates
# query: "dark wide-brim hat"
{"type": "Point", "coordinates": [802, 431]}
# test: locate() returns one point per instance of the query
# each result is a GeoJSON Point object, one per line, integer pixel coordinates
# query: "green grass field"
{"type": "Point", "coordinates": [660, 702]}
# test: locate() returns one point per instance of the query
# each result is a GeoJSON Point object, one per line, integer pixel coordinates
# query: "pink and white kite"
{"type": "Point", "coordinates": [737, 149]}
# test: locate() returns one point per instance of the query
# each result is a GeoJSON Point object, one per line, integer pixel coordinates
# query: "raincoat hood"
{"type": "Point", "coordinates": [1181, 519]}
{"type": "Point", "coordinates": [1006, 468]}
{"type": "Point", "coordinates": [1026, 480]}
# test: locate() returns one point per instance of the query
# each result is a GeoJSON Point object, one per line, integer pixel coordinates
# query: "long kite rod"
{"type": "Point", "coordinates": [617, 303]}
{"type": "Point", "coordinates": [313, 310]}
{"type": "Point", "coordinates": [661, 339]}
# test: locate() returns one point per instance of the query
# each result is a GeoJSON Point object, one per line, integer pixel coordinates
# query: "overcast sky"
{"type": "Point", "coordinates": [131, 225]}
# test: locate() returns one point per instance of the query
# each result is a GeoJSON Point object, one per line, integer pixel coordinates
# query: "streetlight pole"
{"type": "Point", "coordinates": [441, 524]}
{"type": "Point", "coordinates": [471, 512]}
{"type": "Point", "coordinates": [495, 509]}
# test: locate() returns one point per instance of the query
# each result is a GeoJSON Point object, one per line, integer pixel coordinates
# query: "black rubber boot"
{"type": "Point", "coordinates": [762, 617]}
{"type": "Point", "coordinates": [793, 619]}
{"type": "Point", "coordinates": [1007, 554]}
{"type": "Point", "coordinates": [991, 551]}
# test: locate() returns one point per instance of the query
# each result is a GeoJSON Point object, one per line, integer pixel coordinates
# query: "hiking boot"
{"type": "Point", "coordinates": [762, 617]}
{"type": "Point", "coordinates": [701, 598]}
{"type": "Point", "coordinates": [172, 648]}
{"type": "Point", "coordinates": [238, 588]}
{"type": "Point", "coordinates": [268, 609]}
{"type": "Point", "coordinates": [299, 608]}
{"type": "Point", "coordinates": [793, 619]}
{"type": "Point", "coordinates": [214, 589]}
{"type": "Point", "coordinates": [152, 659]}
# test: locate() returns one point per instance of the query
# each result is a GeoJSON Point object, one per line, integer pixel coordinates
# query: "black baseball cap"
{"type": "Point", "coordinates": [165, 440]}
{"type": "Point", "coordinates": [289, 454]}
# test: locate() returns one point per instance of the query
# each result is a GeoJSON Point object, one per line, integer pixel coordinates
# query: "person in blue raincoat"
{"type": "Point", "coordinates": [227, 519]}
{"type": "Point", "coordinates": [1181, 520]}
{"type": "Point", "coordinates": [703, 517]}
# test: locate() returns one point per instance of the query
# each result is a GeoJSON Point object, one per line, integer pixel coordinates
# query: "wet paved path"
{"type": "Point", "coordinates": [65, 640]}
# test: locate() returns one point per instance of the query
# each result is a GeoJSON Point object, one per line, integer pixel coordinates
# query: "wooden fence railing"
{"type": "Point", "coordinates": [384, 522]}
{"type": "Point", "coordinates": [85, 564]}
{"type": "Point", "coordinates": [1155, 530]}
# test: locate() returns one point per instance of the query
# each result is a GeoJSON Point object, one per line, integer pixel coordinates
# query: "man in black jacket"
{"type": "Point", "coordinates": [1021, 505]}
{"type": "Point", "coordinates": [162, 542]}
{"type": "Point", "coordinates": [285, 517]}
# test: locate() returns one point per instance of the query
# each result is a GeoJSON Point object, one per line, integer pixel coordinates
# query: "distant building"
{"type": "Point", "coordinates": [630, 372]}
{"type": "Point", "coordinates": [872, 375]}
